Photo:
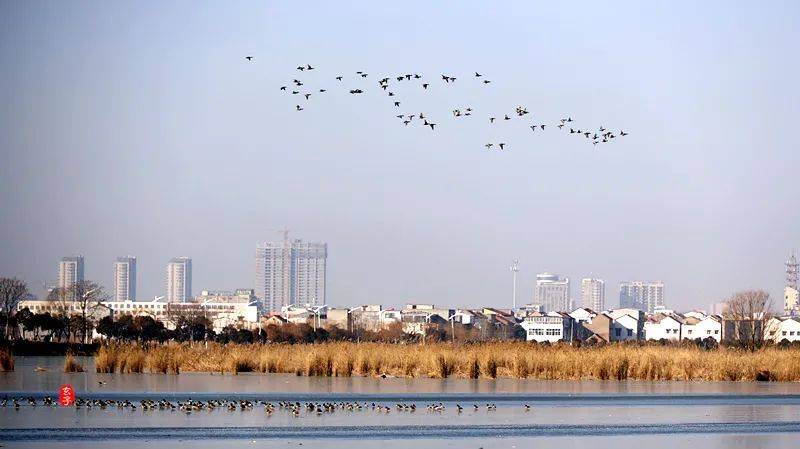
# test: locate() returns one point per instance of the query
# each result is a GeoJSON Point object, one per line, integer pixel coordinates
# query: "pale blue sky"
{"type": "Point", "coordinates": [137, 128]}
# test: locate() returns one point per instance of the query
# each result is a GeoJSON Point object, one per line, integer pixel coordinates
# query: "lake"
{"type": "Point", "coordinates": [561, 414]}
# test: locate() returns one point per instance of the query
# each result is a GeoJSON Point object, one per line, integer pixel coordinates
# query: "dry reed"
{"type": "Point", "coordinates": [441, 360]}
{"type": "Point", "coordinates": [71, 365]}
{"type": "Point", "coordinates": [6, 360]}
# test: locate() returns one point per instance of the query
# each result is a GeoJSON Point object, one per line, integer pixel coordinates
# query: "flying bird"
{"type": "Point", "coordinates": [308, 67]}
{"type": "Point", "coordinates": [501, 145]}
{"type": "Point", "coordinates": [397, 103]}
{"type": "Point", "coordinates": [283, 87]}
{"type": "Point", "coordinates": [307, 95]}
{"type": "Point", "coordinates": [301, 68]}
{"type": "Point", "coordinates": [424, 85]}
{"type": "Point", "coordinates": [338, 78]}
{"type": "Point", "coordinates": [477, 75]}
{"type": "Point", "coordinates": [431, 125]}
{"type": "Point", "coordinates": [299, 108]}
{"type": "Point", "coordinates": [249, 58]}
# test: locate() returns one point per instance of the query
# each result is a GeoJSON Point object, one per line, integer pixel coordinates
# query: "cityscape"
{"type": "Point", "coordinates": [416, 224]}
{"type": "Point", "coordinates": [290, 287]}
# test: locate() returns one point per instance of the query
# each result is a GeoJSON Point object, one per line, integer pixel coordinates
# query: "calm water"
{"type": "Point", "coordinates": [562, 413]}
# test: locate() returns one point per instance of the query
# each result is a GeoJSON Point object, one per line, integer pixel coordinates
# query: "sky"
{"type": "Point", "coordinates": [139, 128]}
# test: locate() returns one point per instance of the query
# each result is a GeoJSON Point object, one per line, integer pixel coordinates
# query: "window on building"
{"type": "Point", "coordinates": [630, 332]}
{"type": "Point", "coordinates": [716, 331]}
{"type": "Point", "coordinates": [617, 332]}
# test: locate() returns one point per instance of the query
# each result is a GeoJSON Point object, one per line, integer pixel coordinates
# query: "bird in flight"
{"type": "Point", "coordinates": [489, 146]}
{"type": "Point", "coordinates": [477, 75]}
{"type": "Point", "coordinates": [283, 87]}
{"type": "Point", "coordinates": [249, 58]}
{"type": "Point", "coordinates": [308, 67]}
{"type": "Point", "coordinates": [299, 108]}
{"type": "Point", "coordinates": [424, 85]}
{"type": "Point", "coordinates": [491, 119]}
{"type": "Point", "coordinates": [301, 68]}
{"type": "Point", "coordinates": [431, 125]}
{"type": "Point", "coordinates": [307, 95]}
{"type": "Point", "coordinates": [338, 78]}
{"type": "Point", "coordinates": [501, 145]}
{"type": "Point", "coordinates": [397, 103]}
{"type": "Point", "coordinates": [486, 81]}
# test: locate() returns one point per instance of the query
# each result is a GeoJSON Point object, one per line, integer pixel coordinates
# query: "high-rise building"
{"type": "Point", "coordinates": [593, 294]}
{"type": "Point", "coordinates": [552, 293]}
{"type": "Point", "coordinates": [644, 296]}
{"type": "Point", "coordinates": [125, 279]}
{"type": "Point", "coordinates": [70, 271]}
{"type": "Point", "coordinates": [179, 279]}
{"type": "Point", "coordinates": [290, 273]}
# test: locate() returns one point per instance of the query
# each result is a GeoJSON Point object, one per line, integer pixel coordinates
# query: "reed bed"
{"type": "Point", "coordinates": [6, 360]}
{"type": "Point", "coordinates": [71, 365]}
{"type": "Point", "coordinates": [442, 360]}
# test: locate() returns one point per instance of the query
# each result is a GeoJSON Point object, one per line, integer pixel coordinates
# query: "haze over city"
{"type": "Point", "coordinates": [140, 129]}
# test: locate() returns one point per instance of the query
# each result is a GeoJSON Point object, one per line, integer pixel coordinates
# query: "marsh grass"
{"type": "Point", "coordinates": [71, 365]}
{"type": "Point", "coordinates": [6, 360]}
{"type": "Point", "coordinates": [442, 360]}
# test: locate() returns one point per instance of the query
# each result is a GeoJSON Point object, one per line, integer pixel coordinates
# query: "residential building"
{"type": "Point", "coordinates": [593, 293]}
{"type": "Point", "coordinates": [784, 328]}
{"type": "Point", "coordinates": [179, 279]}
{"type": "Point", "coordinates": [70, 272]}
{"type": "Point", "coordinates": [245, 295]}
{"type": "Point", "coordinates": [698, 325]}
{"type": "Point", "coordinates": [553, 292]}
{"type": "Point", "coordinates": [548, 327]}
{"type": "Point", "coordinates": [291, 273]}
{"type": "Point", "coordinates": [592, 326]}
{"type": "Point", "coordinates": [663, 326]}
{"type": "Point", "coordinates": [644, 296]}
{"type": "Point", "coordinates": [125, 279]}
{"type": "Point", "coordinates": [628, 324]}
{"type": "Point", "coordinates": [791, 301]}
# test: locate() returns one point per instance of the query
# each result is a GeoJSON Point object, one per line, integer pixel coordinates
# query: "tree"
{"type": "Point", "coordinates": [747, 313]}
{"type": "Point", "coordinates": [12, 291]}
{"type": "Point", "coordinates": [87, 297]}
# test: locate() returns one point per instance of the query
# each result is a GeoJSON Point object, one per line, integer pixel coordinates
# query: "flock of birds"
{"type": "Point", "coordinates": [295, 408]}
{"type": "Point", "coordinates": [596, 136]}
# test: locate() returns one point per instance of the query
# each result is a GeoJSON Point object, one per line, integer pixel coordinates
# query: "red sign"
{"type": "Point", "coordinates": [66, 395]}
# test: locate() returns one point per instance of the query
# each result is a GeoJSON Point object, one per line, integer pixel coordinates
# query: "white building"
{"type": "Point", "coordinates": [291, 273]}
{"type": "Point", "coordinates": [593, 293]}
{"type": "Point", "coordinates": [125, 279]}
{"type": "Point", "coordinates": [627, 324]}
{"type": "Point", "coordinates": [784, 328]}
{"type": "Point", "coordinates": [583, 315]}
{"type": "Point", "coordinates": [791, 301]}
{"type": "Point", "coordinates": [696, 325]}
{"type": "Point", "coordinates": [553, 292]}
{"type": "Point", "coordinates": [666, 326]}
{"type": "Point", "coordinates": [70, 271]}
{"type": "Point", "coordinates": [179, 279]}
{"type": "Point", "coordinates": [551, 327]}
{"type": "Point", "coordinates": [645, 296]}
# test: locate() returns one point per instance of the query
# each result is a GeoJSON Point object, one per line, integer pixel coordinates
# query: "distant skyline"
{"type": "Point", "coordinates": [141, 129]}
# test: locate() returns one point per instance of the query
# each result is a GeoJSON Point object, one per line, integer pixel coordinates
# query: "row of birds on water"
{"type": "Point", "coordinates": [295, 408]}
{"type": "Point", "coordinates": [599, 136]}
